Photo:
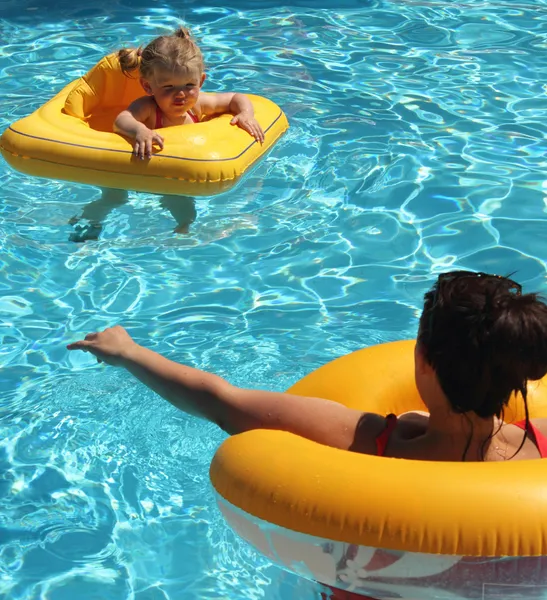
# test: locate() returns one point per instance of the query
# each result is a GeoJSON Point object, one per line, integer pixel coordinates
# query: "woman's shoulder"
{"type": "Point", "coordinates": [369, 427]}
{"type": "Point", "coordinates": [412, 424]}
{"type": "Point", "coordinates": [541, 425]}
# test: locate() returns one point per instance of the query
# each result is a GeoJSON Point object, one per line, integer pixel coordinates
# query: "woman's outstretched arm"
{"type": "Point", "coordinates": [232, 408]}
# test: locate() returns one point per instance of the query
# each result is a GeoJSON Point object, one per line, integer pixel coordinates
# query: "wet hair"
{"type": "Point", "coordinates": [166, 52]}
{"type": "Point", "coordinates": [484, 339]}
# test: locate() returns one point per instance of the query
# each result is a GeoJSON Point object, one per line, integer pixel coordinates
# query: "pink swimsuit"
{"type": "Point", "coordinates": [159, 117]}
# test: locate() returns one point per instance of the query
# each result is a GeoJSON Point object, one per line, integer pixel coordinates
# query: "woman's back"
{"type": "Point", "coordinates": [410, 437]}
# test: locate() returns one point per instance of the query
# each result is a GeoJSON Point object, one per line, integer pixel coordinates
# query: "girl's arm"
{"type": "Point", "coordinates": [238, 105]}
{"type": "Point", "coordinates": [233, 409]}
{"type": "Point", "coordinates": [132, 123]}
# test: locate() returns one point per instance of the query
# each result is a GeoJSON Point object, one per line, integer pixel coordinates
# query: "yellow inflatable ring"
{"type": "Point", "coordinates": [70, 137]}
{"type": "Point", "coordinates": [385, 527]}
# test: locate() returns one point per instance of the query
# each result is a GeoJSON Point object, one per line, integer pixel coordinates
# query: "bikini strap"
{"type": "Point", "coordinates": [535, 435]}
{"type": "Point", "coordinates": [383, 439]}
{"type": "Point", "coordinates": [159, 117]}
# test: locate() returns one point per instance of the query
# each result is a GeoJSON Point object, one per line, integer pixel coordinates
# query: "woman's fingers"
{"type": "Point", "coordinates": [84, 345]}
{"type": "Point", "coordinates": [87, 346]}
{"type": "Point", "coordinates": [80, 345]}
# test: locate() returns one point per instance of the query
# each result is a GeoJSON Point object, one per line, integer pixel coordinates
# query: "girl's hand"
{"type": "Point", "coordinates": [247, 122]}
{"type": "Point", "coordinates": [112, 345]}
{"type": "Point", "coordinates": [144, 140]}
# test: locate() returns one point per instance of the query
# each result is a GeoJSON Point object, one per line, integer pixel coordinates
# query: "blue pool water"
{"type": "Point", "coordinates": [417, 144]}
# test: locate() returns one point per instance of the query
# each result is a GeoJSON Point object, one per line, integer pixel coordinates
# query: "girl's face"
{"type": "Point", "coordinates": [175, 91]}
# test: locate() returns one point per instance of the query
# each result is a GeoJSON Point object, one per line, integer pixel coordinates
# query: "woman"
{"type": "Point", "coordinates": [479, 340]}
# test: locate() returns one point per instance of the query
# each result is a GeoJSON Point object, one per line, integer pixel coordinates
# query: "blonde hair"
{"type": "Point", "coordinates": [167, 52]}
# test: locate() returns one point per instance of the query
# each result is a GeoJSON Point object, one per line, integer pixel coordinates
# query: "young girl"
{"type": "Point", "coordinates": [171, 73]}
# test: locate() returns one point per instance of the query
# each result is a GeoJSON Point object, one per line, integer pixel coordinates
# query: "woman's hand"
{"type": "Point", "coordinates": [145, 139]}
{"type": "Point", "coordinates": [246, 121]}
{"type": "Point", "coordinates": [111, 346]}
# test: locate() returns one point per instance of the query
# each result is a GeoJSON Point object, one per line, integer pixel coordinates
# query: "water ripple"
{"type": "Point", "coordinates": [417, 144]}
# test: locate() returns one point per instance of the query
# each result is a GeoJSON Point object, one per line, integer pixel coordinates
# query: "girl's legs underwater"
{"type": "Point", "coordinates": [182, 208]}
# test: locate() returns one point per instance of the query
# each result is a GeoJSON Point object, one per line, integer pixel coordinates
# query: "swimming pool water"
{"type": "Point", "coordinates": [417, 144]}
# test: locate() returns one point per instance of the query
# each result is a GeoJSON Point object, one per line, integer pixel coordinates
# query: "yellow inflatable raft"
{"type": "Point", "coordinates": [385, 527]}
{"type": "Point", "coordinates": [70, 137]}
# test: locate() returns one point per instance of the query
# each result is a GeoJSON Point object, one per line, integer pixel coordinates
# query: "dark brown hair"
{"type": "Point", "coordinates": [484, 339]}
{"type": "Point", "coordinates": [167, 52]}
